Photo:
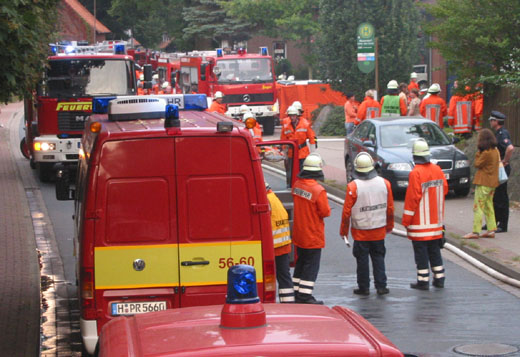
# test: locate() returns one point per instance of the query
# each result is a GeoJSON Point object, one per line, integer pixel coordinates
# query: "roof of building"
{"type": "Point", "coordinates": [87, 16]}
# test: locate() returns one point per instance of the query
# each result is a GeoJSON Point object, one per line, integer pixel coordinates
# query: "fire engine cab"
{"type": "Point", "coordinates": [243, 78]}
{"type": "Point", "coordinates": [244, 326]}
{"type": "Point", "coordinates": [168, 196]}
{"type": "Point", "coordinates": [56, 114]}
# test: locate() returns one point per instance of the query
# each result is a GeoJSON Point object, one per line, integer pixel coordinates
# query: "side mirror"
{"type": "Point", "coordinates": [455, 139]}
{"type": "Point", "coordinates": [368, 144]}
{"type": "Point", "coordinates": [63, 190]}
{"type": "Point", "coordinates": [173, 78]}
{"type": "Point", "coordinates": [203, 71]}
{"type": "Point", "coordinates": [217, 71]}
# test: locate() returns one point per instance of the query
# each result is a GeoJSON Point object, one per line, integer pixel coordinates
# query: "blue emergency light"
{"type": "Point", "coordinates": [220, 52]}
{"type": "Point", "coordinates": [119, 49]}
{"type": "Point", "coordinates": [263, 51]}
{"type": "Point", "coordinates": [172, 112]}
{"type": "Point", "coordinates": [54, 49]}
{"type": "Point", "coordinates": [100, 105]}
{"type": "Point", "coordinates": [241, 288]}
{"type": "Point", "coordinates": [195, 102]}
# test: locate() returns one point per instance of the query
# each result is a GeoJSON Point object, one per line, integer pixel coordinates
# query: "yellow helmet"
{"type": "Point", "coordinates": [313, 162]}
{"type": "Point", "coordinates": [363, 162]}
{"type": "Point", "coordinates": [420, 148]}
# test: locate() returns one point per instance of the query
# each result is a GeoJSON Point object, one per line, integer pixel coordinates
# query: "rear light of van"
{"type": "Point", "coordinates": [88, 309]}
{"type": "Point", "coordinates": [269, 282]}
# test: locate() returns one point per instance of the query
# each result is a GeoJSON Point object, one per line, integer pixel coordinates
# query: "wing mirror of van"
{"type": "Point", "coordinates": [63, 190]}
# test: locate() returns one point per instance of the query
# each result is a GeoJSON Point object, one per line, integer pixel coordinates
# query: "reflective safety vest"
{"type": "Point", "coordinates": [369, 211]}
{"type": "Point", "coordinates": [279, 221]}
{"type": "Point", "coordinates": [256, 133]}
{"type": "Point", "coordinates": [462, 117]}
{"type": "Point", "coordinates": [433, 112]}
{"type": "Point", "coordinates": [372, 112]}
{"type": "Point", "coordinates": [391, 105]}
{"type": "Point", "coordinates": [301, 133]}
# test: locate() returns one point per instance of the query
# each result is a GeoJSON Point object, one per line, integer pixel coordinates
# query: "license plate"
{"type": "Point", "coordinates": [133, 308]}
{"type": "Point", "coordinates": [447, 176]}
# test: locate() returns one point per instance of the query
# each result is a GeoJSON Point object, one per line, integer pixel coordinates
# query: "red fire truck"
{"type": "Point", "coordinates": [246, 327]}
{"type": "Point", "coordinates": [56, 114]}
{"type": "Point", "coordinates": [142, 57]}
{"type": "Point", "coordinates": [165, 202]}
{"type": "Point", "coordinates": [243, 78]}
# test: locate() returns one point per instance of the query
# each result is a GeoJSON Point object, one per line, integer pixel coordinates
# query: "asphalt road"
{"type": "Point", "coordinates": [471, 309]}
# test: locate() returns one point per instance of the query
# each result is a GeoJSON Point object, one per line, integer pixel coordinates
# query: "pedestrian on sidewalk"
{"type": "Point", "coordinates": [506, 148]}
{"type": "Point", "coordinates": [423, 216]}
{"type": "Point", "coordinates": [311, 206]}
{"type": "Point", "coordinates": [351, 108]}
{"type": "Point", "coordinates": [486, 181]}
{"type": "Point", "coordinates": [369, 206]}
{"type": "Point", "coordinates": [282, 246]}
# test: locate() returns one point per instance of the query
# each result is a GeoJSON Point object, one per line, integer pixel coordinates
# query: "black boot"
{"type": "Point", "coordinates": [420, 285]}
{"type": "Point", "coordinates": [438, 283]}
{"type": "Point", "coordinates": [308, 300]}
{"type": "Point", "coordinates": [382, 291]}
{"type": "Point", "coordinates": [363, 292]}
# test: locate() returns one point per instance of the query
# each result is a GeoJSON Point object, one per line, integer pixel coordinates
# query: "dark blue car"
{"type": "Point", "coordinates": [389, 142]}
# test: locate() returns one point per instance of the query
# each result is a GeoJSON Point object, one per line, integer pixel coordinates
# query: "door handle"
{"type": "Point", "coordinates": [196, 262]}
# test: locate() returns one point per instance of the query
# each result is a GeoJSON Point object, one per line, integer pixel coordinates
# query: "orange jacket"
{"type": "Point", "coordinates": [256, 133]}
{"type": "Point", "coordinates": [369, 107]}
{"type": "Point", "coordinates": [218, 107]}
{"type": "Point", "coordinates": [478, 101]}
{"type": "Point", "coordinates": [366, 234]}
{"type": "Point", "coordinates": [459, 114]}
{"type": "Point", "coordinates": [434, 108]}
{"type": "Point", "coordinates": [413, 85]}
{"type": "Point", "coordinates": [350, 111]}
{"type": "Point", "coordinates": [311, 205]}
{"type": "Point", "coordinates": [301, 133]}
{"type": "Point", "coordinates": [423, 214]}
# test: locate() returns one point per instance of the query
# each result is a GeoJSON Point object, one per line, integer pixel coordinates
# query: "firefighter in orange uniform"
{"type": "Point", "coordinates": [351, 109]}
{"type": "Point", "coordinates": [460, 113]}
{"type": "Point", "coordinates": [434, 107]}
{"type": "Point", "coordinates": [413, 82]}
{"type": "Point", "coordinates": [369, 205]}
{"type": "Point", "coordinates": [256, 132]}
{"type": "Point", "coordinates": [217, 105]}
{"type": "Point", "coordinates": [478, 101]}
{"type": "Point", "coordinates": [282, 246]}
{"type": "Point", "coordinates": [299, 129]}
{"type": "Point", "coordinates": [369, 108]}
{"type": "Point", "coordinates": [311, 206]}
{"type": "Point", "coordinates": [423, 216]}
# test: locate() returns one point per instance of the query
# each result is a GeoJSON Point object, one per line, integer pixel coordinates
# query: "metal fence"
{"type": "Point", "coordinates": [507, 101]}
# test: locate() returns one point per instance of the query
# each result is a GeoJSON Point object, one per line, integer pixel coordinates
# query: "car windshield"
{"type": "Point", "coordinates": [405, 134]}
{"type": "Point", "coordinates": [89, 77]}
{"type": "Point", "coordinates": [239, 70]}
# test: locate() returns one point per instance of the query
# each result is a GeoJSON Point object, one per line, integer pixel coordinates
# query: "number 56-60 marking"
{"type": "Point", "coordinates": [229, 262]}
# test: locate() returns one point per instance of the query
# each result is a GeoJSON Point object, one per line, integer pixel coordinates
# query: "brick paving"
{"type": "Point", "coordinates": [19, 266]}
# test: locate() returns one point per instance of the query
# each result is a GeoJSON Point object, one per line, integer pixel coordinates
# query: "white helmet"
{"type": "Point", "coordinates": [413, 75]}
{"type": "Point", "coordinates": [420, 148]}
{"type": "Point", "coordinates": [165, 84]}
{"type": "Point", "coordinates": [298, 105]}
{"type": "Point", "coordinates": [218, 94]}
{"type": "Point", "coordinates": [243, 109]}
{"type": "Point", "coordinates": [363, 162]}
{"type": "Point", "coordinates": [392, 84]}
{"type": "Point", "coordinates": [292, 111]}
{"type": "Point", "coordinates": [248, 115]}
{"type": "Point", "coordinates": [434, 88]}
{"type": "Point", "coordinates": [141, 77]}
{"type": "Point", "coordinates": [313, 162]}
{"type": "Point", "coordinates": [155, 76]}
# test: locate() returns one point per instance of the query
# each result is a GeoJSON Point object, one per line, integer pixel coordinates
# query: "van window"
{"type": "Point", "coordinates": [137, 210]}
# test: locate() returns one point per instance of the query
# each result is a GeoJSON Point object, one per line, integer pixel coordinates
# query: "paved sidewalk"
{"type": "Point", "coordinates": [501, 253]}
{"type": "Point", "coordinates": [19, 266]}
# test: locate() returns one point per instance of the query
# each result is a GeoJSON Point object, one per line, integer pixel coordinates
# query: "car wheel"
{"type": "Point", "coordinates": [349, 168]}
{"type": "Point", "coordinates": [24, 149]}
{"type": "Point", "coordinates": [462, 192]}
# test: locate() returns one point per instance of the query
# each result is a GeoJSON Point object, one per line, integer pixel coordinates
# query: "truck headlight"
{"type": "Point", "coordinates": [459, 164]}
{"type": "Point", "coordinates": [43, 146]}
{"type": "Point", "coordinates": [400, 166]}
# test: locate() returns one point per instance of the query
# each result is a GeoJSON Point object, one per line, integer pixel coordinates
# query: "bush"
{"type": "Point", "coordinates": [334, 124]}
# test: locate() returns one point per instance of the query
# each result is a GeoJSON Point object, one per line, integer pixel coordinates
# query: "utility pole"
{"type": "Point", "coordinates": [377, 68]}
{"type": "Point", "coordinates": [94, 35]}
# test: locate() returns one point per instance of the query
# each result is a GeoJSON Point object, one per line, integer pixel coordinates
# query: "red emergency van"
{"type": "Point", "coordinates": [245, 327]}
{"type": "Point", "coordinates": [165, 203]}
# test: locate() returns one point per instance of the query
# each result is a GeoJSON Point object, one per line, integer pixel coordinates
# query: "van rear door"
{"type": "Point", "coordinates": [136, 248]}
{"type": "Point", "coordinates": [218, 215]}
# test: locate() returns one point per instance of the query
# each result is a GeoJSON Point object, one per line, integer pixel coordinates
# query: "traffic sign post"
{"type": "Point", "coordinates": [366, 47]}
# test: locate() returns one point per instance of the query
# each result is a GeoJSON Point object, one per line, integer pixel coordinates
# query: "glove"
{"type": "Point", "coordinates": [345, 239]}
{"type": "Point", "coordinates": [442, 241]}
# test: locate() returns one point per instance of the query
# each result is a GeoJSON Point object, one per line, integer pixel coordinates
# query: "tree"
{"type": "Point", "coordinates": [286, 19]}
{"type": "Point", "coordinates": [479, 38]}
{"type": "Point", "coordinates": [26, 29]}
{"type": "Point", "coordinates": [207, 22]}
{"type": "Point", "coordinates": [395, 23]}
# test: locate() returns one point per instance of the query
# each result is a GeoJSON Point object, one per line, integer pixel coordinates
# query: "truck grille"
{"type": "Point", "coordinates": [249, 98]}
{"type": "Point", "coordinates": [72, 121]}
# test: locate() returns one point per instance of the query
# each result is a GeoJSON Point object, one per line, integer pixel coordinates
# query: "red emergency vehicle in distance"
{"type": "Point", "coordinates": [168, 70]}
{"type": "Point", "coordinates": [165, 203]}
{"type": "Point", "coordinates": [56, 114]}
{"type": "Point", "coordinates": [142, 57]}
{"type": "Point", "coordinates": [245, 327]}
{"type": "Point", "coordinates": [243, 78]}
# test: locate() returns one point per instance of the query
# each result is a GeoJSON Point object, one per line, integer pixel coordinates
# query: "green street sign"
{"type": "Point", "coordinates": [366, 47]}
